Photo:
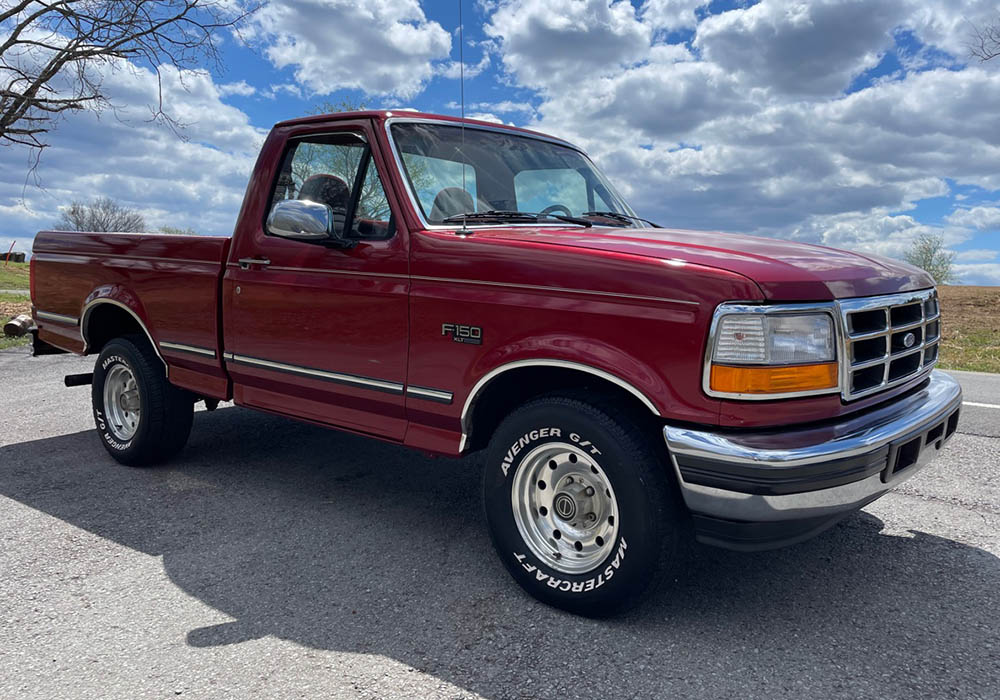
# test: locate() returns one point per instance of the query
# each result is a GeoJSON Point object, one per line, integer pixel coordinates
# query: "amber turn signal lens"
{"type": "Point", "coordinates": [773, 380]}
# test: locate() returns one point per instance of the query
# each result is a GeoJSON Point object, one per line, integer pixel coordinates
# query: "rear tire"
{"type": "Point", "coordinates": [579, 506]}
{"type": "Point", "coordinates": [141, 417]}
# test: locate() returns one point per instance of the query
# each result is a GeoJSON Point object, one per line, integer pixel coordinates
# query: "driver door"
{"type": "Point", "coordinates": [318, 332]}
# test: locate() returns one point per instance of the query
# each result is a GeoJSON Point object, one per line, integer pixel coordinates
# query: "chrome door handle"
{"type": "Point", "coordinates": [245, 263]}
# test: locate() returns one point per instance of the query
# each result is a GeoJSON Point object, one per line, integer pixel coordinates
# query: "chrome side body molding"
{"type": "Point", "coordinates": [493, 374]}
{"type": "Point", "coordinates": [422, 392]}
{"type": "Point", "coordinates": [336, 377]}
{"type": "Point", "coordinates": [193, 349]}
{"type": "Point", "coordinates": [58, 318]}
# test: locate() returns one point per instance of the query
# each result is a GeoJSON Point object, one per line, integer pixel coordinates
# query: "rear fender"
{"type": "Point", "coordinates": [122, 298]}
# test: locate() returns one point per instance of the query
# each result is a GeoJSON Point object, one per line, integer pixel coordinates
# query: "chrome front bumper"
{"type": "Point", "coordinates": [810, 475]}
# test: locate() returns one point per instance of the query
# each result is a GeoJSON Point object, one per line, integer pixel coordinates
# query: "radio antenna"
{"type": "Point", "coordinates": [461, 91]}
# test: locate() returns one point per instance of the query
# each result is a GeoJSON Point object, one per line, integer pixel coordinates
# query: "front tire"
{"type": "Point", "coordinates": [579, 506]}
{"type": "Point", "coordinates": [141, 417]}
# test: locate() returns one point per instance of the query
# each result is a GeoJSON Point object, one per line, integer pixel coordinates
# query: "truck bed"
{"type": "Point", "coordinates": [169, 284]}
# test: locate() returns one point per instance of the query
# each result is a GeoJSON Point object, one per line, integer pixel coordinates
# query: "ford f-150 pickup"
{"type": "Point", "coordinates": [456, 286]}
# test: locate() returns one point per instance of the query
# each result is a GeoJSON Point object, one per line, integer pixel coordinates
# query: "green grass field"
{"type": "Point", "coordinates": [14, 276]}
{"type": "Point", "coordinates": [12, 305]}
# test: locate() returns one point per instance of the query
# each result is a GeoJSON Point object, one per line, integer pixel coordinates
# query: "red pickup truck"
{"type": "Point", "coordinates": [458, 286]}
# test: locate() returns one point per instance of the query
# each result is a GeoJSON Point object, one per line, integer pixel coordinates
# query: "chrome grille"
{"type": "Point", "coordinates": [888, 340]}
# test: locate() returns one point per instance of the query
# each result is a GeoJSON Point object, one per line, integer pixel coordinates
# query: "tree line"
{"type": "Point", "coordinates": [105, 215]}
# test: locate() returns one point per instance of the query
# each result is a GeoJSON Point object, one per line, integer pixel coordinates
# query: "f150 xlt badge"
{"type": "Point", "coordinates": [473, 335]}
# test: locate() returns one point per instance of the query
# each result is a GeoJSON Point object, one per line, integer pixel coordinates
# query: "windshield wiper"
{"type": "Point", "coordinates": [509, 215]}
{"type": "Point", "coordinates": [628, 218]}
{"type": "Point", "coordinates": [491, 214]}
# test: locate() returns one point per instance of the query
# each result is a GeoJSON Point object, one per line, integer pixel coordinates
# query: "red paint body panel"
{"type": "Point", "coordinates": [170, 283]}
{"type": "Point", "coordinates": [339, 311]}
{"type": "Point", "coordinates": [784, 270]}
{"type": "Point", "coordinates": [529, 299]}
{"type": "Point", "coordinates": [359, 326]}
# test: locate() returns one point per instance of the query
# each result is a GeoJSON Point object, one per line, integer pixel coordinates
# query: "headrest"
{"type": "Point", "coordinates": [326, 189]}
{"type": "Point", "coordinates": [449, 202]}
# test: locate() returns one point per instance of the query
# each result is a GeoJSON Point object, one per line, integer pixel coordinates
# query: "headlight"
{"type": "Point", "coordinates": [763, 352]}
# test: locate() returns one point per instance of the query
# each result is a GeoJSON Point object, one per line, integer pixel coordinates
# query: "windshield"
{"type": "Point", "coordinates": [498, 171]}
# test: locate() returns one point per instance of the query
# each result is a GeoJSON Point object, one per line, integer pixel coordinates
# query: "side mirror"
{"type": "Point", "coordinates": [303, 220]}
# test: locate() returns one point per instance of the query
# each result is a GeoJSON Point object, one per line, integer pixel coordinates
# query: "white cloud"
{"type": "Point", "coordinates": [486, 117]}
{"type": "Point", "coordinates": [193, 178]}
{"type": "Point", "coordinates": [752, 131]}
{"type": "Point", "coordinates": [801, 48]}
{"type": "Point", "coordinates": [747, 129]}
{"type": "Point", "coordinates": [948, 24]}
{"type": "Point", "coordinates": [276, 90]}
{"type": "Point", "coordinates": [977, 255]}
{"type": "Point", "coordinates": [241, 88]}
{"type": "Point", "coordinates": [979, 218]}
{"type": "Point", "coordinates": [983, 273]}
{"type": "Point", "coordinates": [546, 42]}
{"type": "Point", "coordinates": [671, 14]}
{"type": "Point", "coordinates": [502, 107]}
{"type": "Point", "coordinates": [383, 47]}
{"type": "Point", "coordinates": [453, 69]}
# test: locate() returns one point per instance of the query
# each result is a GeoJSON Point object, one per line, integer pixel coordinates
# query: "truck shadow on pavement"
{"type": "Point", "coordinates": [340, 543]}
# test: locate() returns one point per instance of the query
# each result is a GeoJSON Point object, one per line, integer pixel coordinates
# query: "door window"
{"type": "Point", "coordinates": [327, 169]}
{"type": "Point", "coordinates": [372, 216]}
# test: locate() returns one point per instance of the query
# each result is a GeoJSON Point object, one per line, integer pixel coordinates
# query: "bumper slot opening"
{"type": "Point", "coordinates": [907, 455]}
{"type": "Point", "coordinates": [952, 425]}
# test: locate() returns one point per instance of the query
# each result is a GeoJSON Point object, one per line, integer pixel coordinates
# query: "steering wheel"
{"type": "Point", "coordinates": [548, 210]}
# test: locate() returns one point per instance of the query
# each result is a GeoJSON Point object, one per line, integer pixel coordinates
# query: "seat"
{"type": "Point", "coordinates": [329, 190]}
{"type": "Point", "coordinates": [449, 202]}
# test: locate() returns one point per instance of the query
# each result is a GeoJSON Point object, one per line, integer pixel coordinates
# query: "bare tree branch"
{"type": "Point", "coordinates": [55, 54]}
{"type": "Point", "coordinates": [985, 41]}
{"type": "Point", "coordinates": [103, 214]}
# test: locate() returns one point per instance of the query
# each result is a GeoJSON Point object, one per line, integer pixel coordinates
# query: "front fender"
{"type": "Point", "coordinates": [578, 353]}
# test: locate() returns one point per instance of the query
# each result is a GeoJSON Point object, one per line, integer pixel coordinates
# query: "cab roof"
{"type": "Point", "coordinates": [381, 115]}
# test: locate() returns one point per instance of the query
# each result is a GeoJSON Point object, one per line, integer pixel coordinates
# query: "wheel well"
{"type": "Point", "coordinates": [105, 322]}
{"type": "Point", "coordinates": [516, 386]}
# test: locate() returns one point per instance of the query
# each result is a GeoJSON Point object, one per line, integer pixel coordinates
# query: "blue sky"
{"type": "Point", "coordinates": [851, 123]}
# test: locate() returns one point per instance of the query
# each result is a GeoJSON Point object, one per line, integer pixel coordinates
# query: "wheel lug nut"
{"type": "Point", "coordinates": [589, 491]}
{"type": "Point", "coordinates": [591, 517]}
{"type": "Point", "coordinates": [569, 480]}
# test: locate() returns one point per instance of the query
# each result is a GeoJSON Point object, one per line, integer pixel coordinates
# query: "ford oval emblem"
{"type": "Point", "coordinates": [909, 340]}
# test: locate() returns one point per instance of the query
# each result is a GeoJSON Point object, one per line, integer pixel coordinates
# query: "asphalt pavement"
{"type": "Point", "coordinates": [277, 559]}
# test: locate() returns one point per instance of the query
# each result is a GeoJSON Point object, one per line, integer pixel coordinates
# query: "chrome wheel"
{"type": "Point", "coordinates": [121, 402]}
{"type": "Point", "coordinates": [565, 508]}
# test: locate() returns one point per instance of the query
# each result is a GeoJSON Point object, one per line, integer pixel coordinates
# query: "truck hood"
{"type": "Point", "coordinates": [784, 270]}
